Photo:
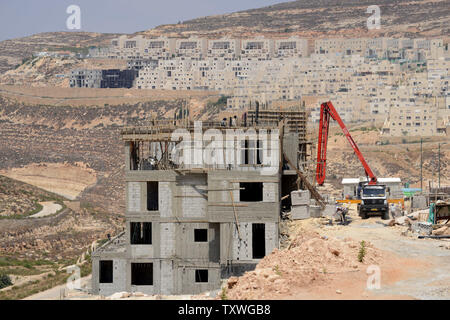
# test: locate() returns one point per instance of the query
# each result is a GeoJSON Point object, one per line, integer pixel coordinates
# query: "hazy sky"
{"type": "Point", "coordinates": [25, 17]}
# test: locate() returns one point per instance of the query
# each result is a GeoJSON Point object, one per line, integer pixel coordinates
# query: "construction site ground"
{"type": "Point", "coordinates": [320, 261]}
{"type": "Point", "coordinates": [410, 268]}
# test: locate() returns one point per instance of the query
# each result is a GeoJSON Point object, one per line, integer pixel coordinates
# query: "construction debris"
{"type": "Point", "coordinates": [422, 228]}
{"type": "Point", "coordinates": [441, 231]}
{"type": "Point", "coordinates": [402, 221]}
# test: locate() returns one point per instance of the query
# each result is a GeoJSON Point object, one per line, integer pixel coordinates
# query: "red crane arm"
{"type": "Point", "coordinates": [327, 110]}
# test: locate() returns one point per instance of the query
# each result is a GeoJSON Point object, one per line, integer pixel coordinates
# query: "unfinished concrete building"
{"type": "Point", "coordinates": [84, 78]}
{"type": "Point", "coordinates": [190, 225]}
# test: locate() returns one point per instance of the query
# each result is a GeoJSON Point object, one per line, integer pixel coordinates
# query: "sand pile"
{"type": "Point", "coordinates": [309, 259]}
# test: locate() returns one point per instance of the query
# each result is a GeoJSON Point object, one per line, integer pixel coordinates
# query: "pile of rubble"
{"type": "Point", "coordinates": [310, 258]}
{"type": "Point", "coordinates": [417, 223]}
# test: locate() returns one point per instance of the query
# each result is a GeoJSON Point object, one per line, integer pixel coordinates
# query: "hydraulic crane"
{"type": "Point", "coordinates": [372, 195]}
{"type": "Point", "coordinates": [327, 110]}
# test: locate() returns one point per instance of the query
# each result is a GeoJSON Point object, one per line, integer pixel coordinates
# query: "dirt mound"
{"type": "Point", "coordinates": [309, 259]}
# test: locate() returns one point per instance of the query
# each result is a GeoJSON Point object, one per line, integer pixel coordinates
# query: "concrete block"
{"type": "Point", "coordinates": [300, 212]}
{"type": "Point", "coordinates": [329, 211]}
{"type": "Point", "coordinates": [315, 211]}
{"type": "Point", "coordinates": [134, 196]}
{"type": "Point", "coordinates": [300, 197]}
{"type": "Point", "coordinates": [419, 202]}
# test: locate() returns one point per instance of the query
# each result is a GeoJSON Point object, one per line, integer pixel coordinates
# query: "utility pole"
{"type": "Point", "coordinates": [421, 163]}
{"type": "Point", "coordinates": [439, 165]}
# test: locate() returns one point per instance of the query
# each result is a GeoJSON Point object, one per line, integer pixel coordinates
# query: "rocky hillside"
{"type": "Point", "coordinates": [12, 52]}
{"type": "Point", "coordinates": [311, 18]}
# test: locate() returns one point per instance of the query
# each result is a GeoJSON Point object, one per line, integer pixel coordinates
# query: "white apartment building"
{"type": "Point", "coordinates": [229, 49]}
{"type": "Point", "coordinates": [261, 48]}
{"type": "Point", "coordinates": [258, 48]}
{"type": "Point", "coordinates": [328, 46]}
{"type": "Point", "coordinates": [363, 88]}
{"type": "Point", "coordinates": [195, 48]}
{"type": "Point", "coordinates": [375, 47]}
{"type": "Point", "coordinates": [381, 47]}
{"type": "Point", "coordinates": [412, 120]}
{"type": "Point", "coordinates": [161, 47]}
{"type": "Point", "coordinates": [291, 47]}
{"type": "Point", "coordinates": [128, 48]}
{"type": "Point", "coordinates": [99, 52]}
{"type": "Point", "coordinates": [355, 46]}
{"type": "Point", "coordinates": [350, 108]}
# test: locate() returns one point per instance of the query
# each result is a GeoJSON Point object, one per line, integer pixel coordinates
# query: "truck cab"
{"type": "Point", "coordinates": [373, 200]}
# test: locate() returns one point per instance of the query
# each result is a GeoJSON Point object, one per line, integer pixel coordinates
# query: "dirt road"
{"type": "Point", "coordinates": [48, 208]}
{"type": "Point", "coordinates": [60, 292]}
{"type": "Point", "coordinates": [416, 268]}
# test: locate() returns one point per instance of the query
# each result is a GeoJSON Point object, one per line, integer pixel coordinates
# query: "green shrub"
{"type": "Point", "coordinates": [223, 295]}
{"type": "Point", "coordinates": [277, 270]}
{"type": "Point", "coordinates": [362, 251]}
{"type": "Point", "coordinates": [5, 281]}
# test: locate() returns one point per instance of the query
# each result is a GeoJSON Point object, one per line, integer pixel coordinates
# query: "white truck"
{"type": "Point", "coordinates": [373, 200]}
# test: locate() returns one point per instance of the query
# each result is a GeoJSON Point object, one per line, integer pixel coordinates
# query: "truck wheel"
{"type": "Point", "coordinates": [385, 215]}
{"type": "Point", "coordinates": [364, 214]}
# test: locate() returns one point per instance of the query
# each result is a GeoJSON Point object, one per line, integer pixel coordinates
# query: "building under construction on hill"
{"type": "Point", "coordinates": [190, 224]}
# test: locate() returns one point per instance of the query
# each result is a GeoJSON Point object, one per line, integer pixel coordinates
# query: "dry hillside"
{"type": "Point", "coordinates": [76, 147]}
{"type": "Point", "coordinates": [307, 18]}
{"type": "Point", "coordinates": [312, 18]}
{"type": "Point", "coordinates": [35, 249]}
{"type": "Point", "coordinates": [13, 51]}
{"type": "Point", "coordinates": [53, 71]}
